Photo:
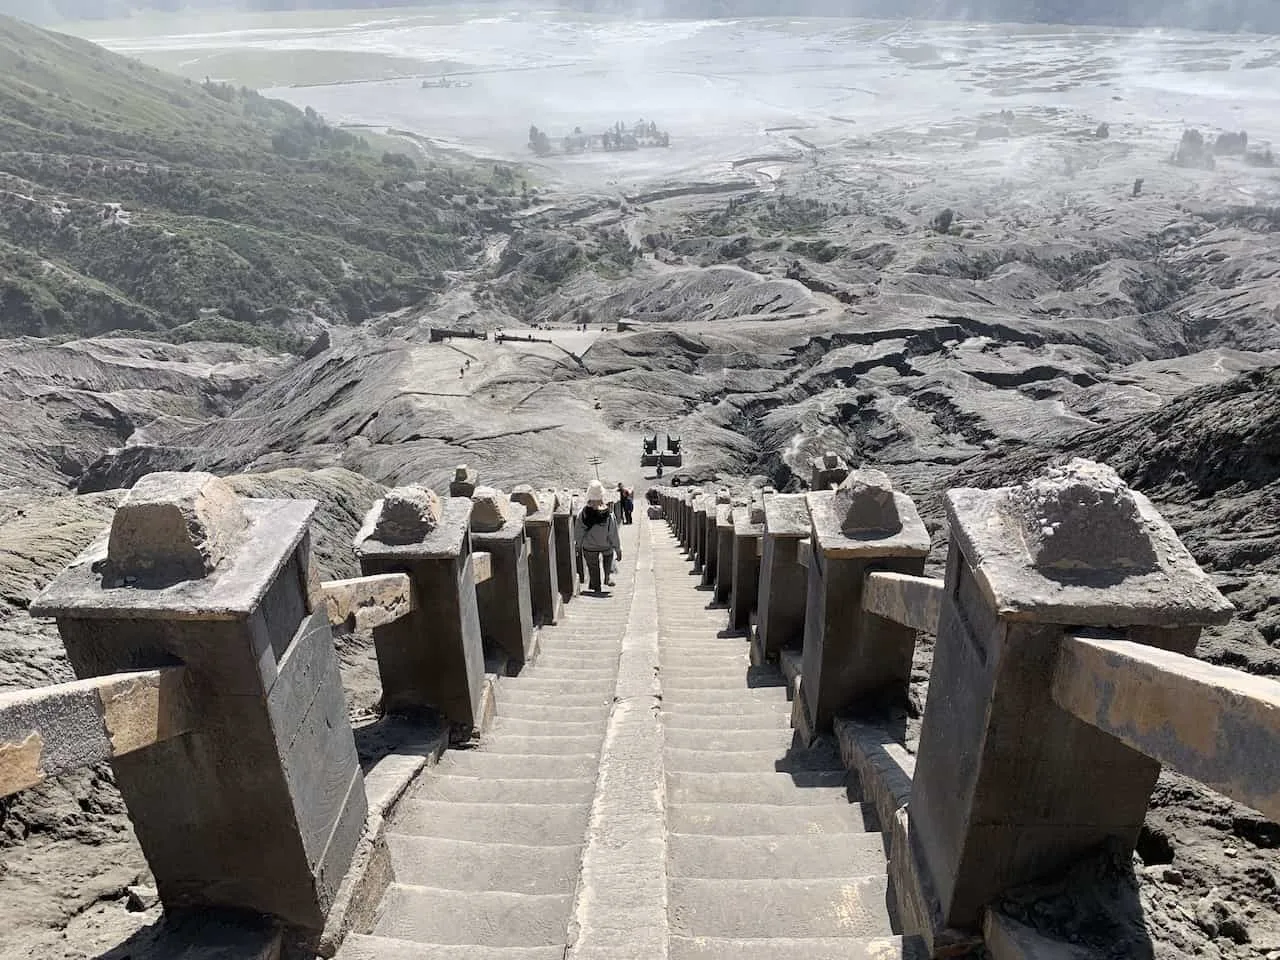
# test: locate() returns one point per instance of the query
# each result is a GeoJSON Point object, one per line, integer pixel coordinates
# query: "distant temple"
{"type": "Point", "coordinates": [618, 137]}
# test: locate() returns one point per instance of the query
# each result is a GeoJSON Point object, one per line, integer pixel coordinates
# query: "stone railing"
{"type": "Point", "coordinates": [203, 640]}
{"type": "Point", "coordinates": [1062, 675]}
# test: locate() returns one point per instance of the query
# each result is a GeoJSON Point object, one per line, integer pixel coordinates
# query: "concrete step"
{"type": "Point", "coordinates": [727, 709]}
{"type": "Point", "coordinates": [465, 865]}
{"type": "Point", "coordinates": [750, 761]}
{"type": "Point", "coordinates": [735, 668]}
{"type": "Point", "coordinates": [597, 687]}
{"type": "Point", "coordinates": [505, 789]}
{"type": "Point", "coordinates": [543, 673]}
{"type": "Point", "coordinates": [480, 763]}
{"type": "Point", "coordinates": [810, 948]}
{"type": "Point", "coordinates": [736, 679]}
{"type": "Point", "coordinates": [782, 789]}
{"type": "Point", "coordinates": [725, 722]}
{"type": "Point", "coordinates": [546, 746]}
{"type": "Point", "coordinates": [364, 947]}
{"type": "Point", "coordinates": [485, 918]}
{"type": "Point", "coordinates": [535, 824]}
{"type": "Point", "coordinates": [517, 695]}
{"type": "Point", "coordinates": [676, 693]}
{"type": "Point", "coordinates": [566, 661]}
{"type": "Point", "coordinates": [780, 739]}
{"type": "Point", "coordinates": [791, 856]}
{"type": "Point", "coordinates": [735, 659]}
{"type": "Point", "coordinates": [764, 819]}
{"type": "Point", "coordinates": [852, 907]}
{"type": "Point", "coordinates": [511, 727]}
{"type": "Point", "coordinates": [514, 710]}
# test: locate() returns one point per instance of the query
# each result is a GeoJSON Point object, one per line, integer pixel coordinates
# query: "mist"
{"type": "Point", "coordinates": [1262, 16]}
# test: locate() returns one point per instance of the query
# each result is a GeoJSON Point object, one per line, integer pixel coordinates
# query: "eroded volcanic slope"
{"type": "Point", "coordinates": [1052, 312]}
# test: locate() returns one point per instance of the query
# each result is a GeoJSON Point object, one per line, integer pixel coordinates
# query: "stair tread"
{"type": "Point", "coordinates": [851, 907]}
{"type": "Point", "coordinates": [565, 766]}
{"type": "Point", "coordinates": [681, 760]}
{"type": "Point", "coordinates": [538, 824]}
{"type": "Point", "coordinates": [785, 856]}
{"type": "Point", "coordinates": [469, 865]}
{"type": "Point", "coordinates": [489, 790]}
{"type": "Point", "coordinates": [792, 948]}
{"type": "Point", "coordinates": [765, 819]}
{"type": "Point", "coordinates": [369, 947]}
{"type": "Point", "coordinates": [802, 788]}
{"type": "Point", "coordinates": [485, 918]}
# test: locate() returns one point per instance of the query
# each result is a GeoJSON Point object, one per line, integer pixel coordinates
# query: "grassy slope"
{"type": "Point", "coordinates": [232, 201]}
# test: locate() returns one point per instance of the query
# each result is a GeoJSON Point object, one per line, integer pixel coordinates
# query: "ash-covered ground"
{"type": "Point", "coordinates": [945, 266]}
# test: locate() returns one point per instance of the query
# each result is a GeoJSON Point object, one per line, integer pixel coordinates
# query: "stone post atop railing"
{"type": "Point", "coordinates": [686, 520]}
{"type": "Point", "coordinates": [1008, 786]}
{"type": "Point", "coordinates": [710, 538]}
{"type": "Point", "coordinates": [827, 471]}
{"type": "Point", "coordinates": [432, 658]}
{"type": "Point", "coordinates": [506, 606]}
{"type": "Point", "coordinates": [464, 482]}
{"type": "Point", "coordinates": [854, 660]}
{"type": "Point", "coordinates": [783, 581]}
{"type": "Point", "coordinates": [748, 528]}
{"type": "Point", "coordinates": [539, 522]}
{"type": "Point", "coordinates": [566, 545]}
{"type": "Point", "coordinates": [260, 807]}
{"type": "Point", "coordinates": [724, 552]}
{"type": "Point", "coordinates": [701, 503]}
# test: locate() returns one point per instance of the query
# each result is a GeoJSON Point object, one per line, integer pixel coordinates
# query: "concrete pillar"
{"type": "Point", "coordinates": [686, 520]}
{"type": "Point", "coordinates": [506, 605]}
{"type": "Point", "coordinates": [698, 535]}
{"type": "Point", "coordinates": [827, 471]}
{"type": "Point", "coordinates": [711, 539]}
{"type": "Point", "coordinates": [464, 482]}
{"type": "Point", "coordinates": [566, 546]}
{"type": "Point", "coordinates": [783, 581]}
{"type": "Point", "coordinates": [260, 807]}
{"type": "Point", "coordinates": [724, 550]}
{"type": "Point", "coordinates": [432, 658]}
{"type": "Point", "coordinates": [854, 660]}
{"type": "Point", "coordinates": [748, 527]}
{"type": "Point", "coordinates": [544, 588]}
{"type": "Point", "coordinates": [1008, 786]}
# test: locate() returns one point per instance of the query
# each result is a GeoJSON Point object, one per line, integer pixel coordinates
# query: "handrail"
{"type": "Point", "coordinates": [55, 729]}
{"type": "Point", "coordinates": [913, 601]}
{"type": "Point", "coordinates": [1214, 724]}
{"type": "Point", "coordinates": [366, 602]}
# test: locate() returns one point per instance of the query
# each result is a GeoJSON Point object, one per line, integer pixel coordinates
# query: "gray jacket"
{"type": "Point", "coordinates": [601, 537]}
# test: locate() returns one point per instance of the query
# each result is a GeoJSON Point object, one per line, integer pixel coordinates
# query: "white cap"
{"type": "Point", "coordinates": [595, 492]}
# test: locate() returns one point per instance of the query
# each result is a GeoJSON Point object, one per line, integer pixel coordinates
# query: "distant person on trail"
{"type": "Point", "coordinates": [597, 535]}
{"type": "Point", "coordinates": [626, 501]}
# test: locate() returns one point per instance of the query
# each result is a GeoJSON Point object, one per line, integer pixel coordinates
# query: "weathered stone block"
{"type": "Point", "coordinates": [783, 581]}
{"type": "Point", "coordinates": [1010, 787]}
{"type": "Point", "coordinates": [257, 808]}
{"type": "Point", "coordinates": [173, 527]}
{"type": "Point", "coordinates": [506, 604]}
{"type": "Point", "coordinates": [433, 658]}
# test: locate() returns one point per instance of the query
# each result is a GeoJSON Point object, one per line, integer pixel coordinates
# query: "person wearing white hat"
{"type": "Point", "coordinates": [597, 536]}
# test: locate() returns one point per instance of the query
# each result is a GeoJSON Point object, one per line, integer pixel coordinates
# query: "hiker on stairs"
{"type": "Point", "coordinates": [597, 536]}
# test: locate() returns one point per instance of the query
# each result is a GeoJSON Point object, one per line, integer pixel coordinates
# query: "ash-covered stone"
{"type": "Point", "coordinates": [173, 527]}
{"type": "Point", "coordinates": [464, 481]}
{"type": "Point", "coordinates": [1082, 516]}
{"type": "Point", "coordinates": [490, 510]}
{"type": "Point", "coordinates": [408, 514]}
{"type": "Point", "coordinates": [865, 504]}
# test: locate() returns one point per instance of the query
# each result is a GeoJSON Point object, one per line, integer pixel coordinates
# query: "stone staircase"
{"type": "Point", "coordinates": [702, 820]}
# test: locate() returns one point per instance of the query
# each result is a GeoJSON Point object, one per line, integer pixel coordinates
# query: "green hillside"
{"type": "Point", "coordinates": [131, 199]}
